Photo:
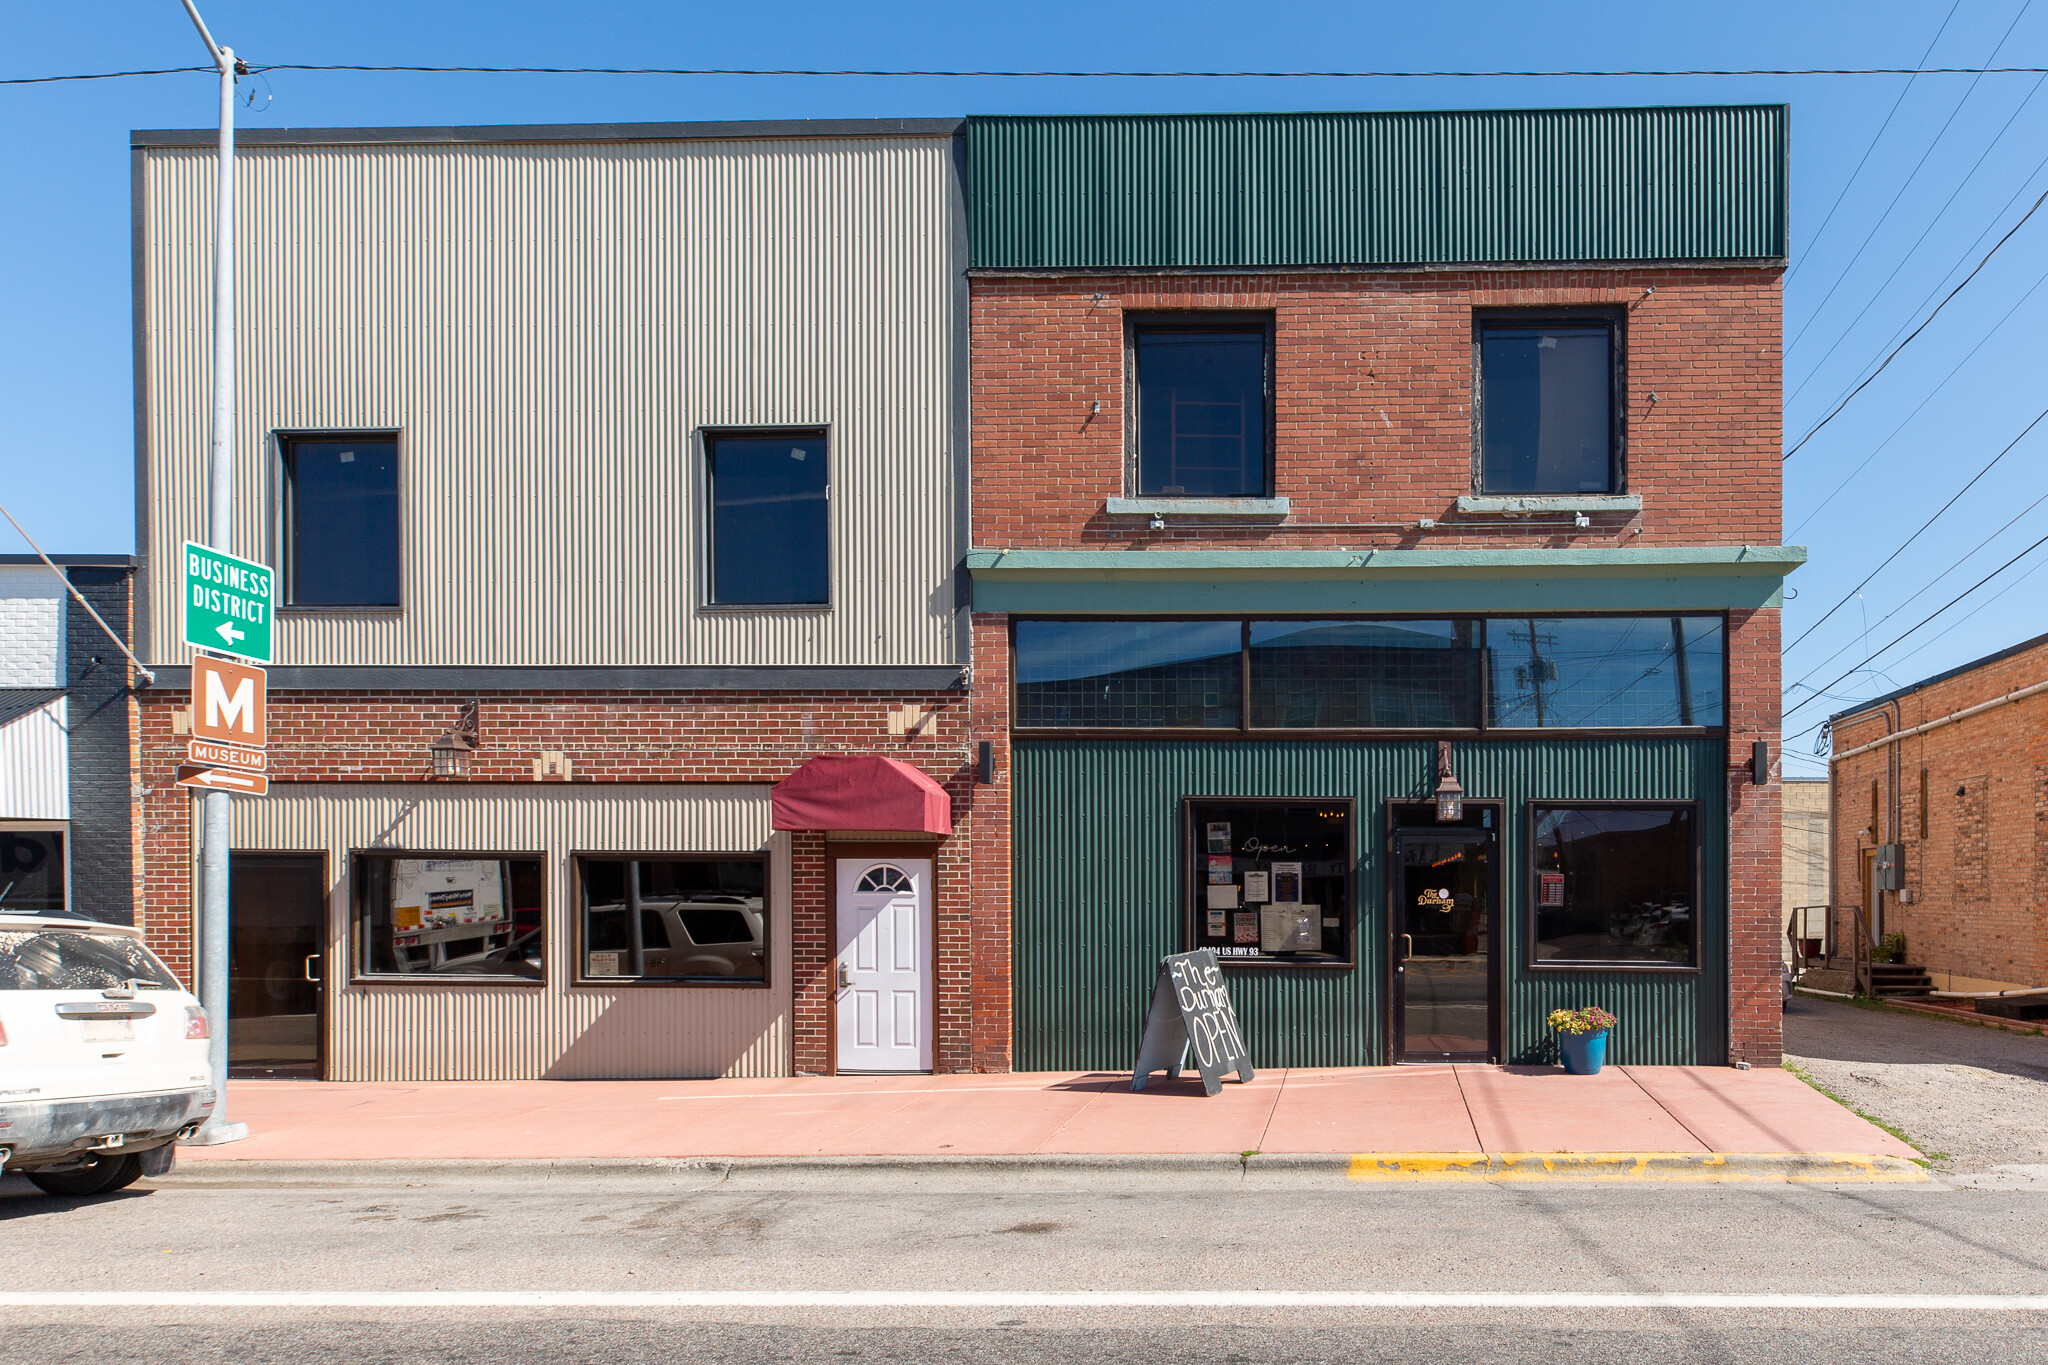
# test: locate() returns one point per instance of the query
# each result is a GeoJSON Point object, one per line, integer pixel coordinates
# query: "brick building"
{"type": "Point", "coordinates": [1322, 462]}
{"type": "Point", "coordinates": [1950, 775]}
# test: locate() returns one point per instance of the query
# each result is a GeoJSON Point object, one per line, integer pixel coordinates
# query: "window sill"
{"type": "Point", "coordinates": [292, 610]}
{"type": "Point", "coordinates": [639, 983]}
{"type": "Point", "coordinates": [1195, 507]}
{"type": "Point", "coordinates": [445, 982]}
{"type": "Point", "coordinates": [1581, 968]}
{"type": "Point", "coordinates": [1524, 505]}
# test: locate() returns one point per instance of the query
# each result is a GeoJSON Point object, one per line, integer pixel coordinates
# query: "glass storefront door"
{"type": "Point", "coordinates": [276, 908]}
{"type": "Point", "coordinates": [1445, 921]}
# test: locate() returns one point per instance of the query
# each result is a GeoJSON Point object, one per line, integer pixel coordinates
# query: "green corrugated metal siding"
{"type": "Point", "coordinates": [1098, 891]}
{"type": "Point", "coordinates": [1544, 185]}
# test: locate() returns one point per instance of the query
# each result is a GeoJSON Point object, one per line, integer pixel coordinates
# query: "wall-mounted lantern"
{"type": "Point", "coordinates": [1450, 797]}
{"type": "Point", "coordinates": [451, 752]}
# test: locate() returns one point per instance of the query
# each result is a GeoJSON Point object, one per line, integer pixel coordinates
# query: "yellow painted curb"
{"type": "Point", "coordinates": [1695, 1167]}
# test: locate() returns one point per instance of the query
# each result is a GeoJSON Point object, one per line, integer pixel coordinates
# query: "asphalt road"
{"type": "Point", "coordinates": [1004, 1235]}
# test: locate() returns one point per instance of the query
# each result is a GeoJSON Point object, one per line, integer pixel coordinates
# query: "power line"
{"type": "Point", "coordinates": [1932, 393]}
{"type": "Point", "coordinates": [1875, 294]}
{"type": "Point", "coordinates": [99, 75]}
{"type": "Point", "coordinates": [1903, 635]}
{"type": "Point", "coordinates": [1836, 410]}
{"type": "Point", "coordinates": [1821, 231]}
{"type": "Point", "coordinates": [1917, 534]}
{"type": "Point", "coordinates": [1904, 185]}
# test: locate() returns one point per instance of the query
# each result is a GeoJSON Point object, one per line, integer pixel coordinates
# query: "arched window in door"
{"type": "Point", "coordinates": [884, 878]}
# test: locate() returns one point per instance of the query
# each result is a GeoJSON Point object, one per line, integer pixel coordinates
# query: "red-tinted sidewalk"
{"type": "Point", "coordinates": [1437, 1109]}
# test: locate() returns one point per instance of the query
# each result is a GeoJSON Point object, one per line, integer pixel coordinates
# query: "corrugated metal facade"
{"type": "Point", "coordinates": [549, 325]}
{"type": "Point", "coordinates": [35, 764]}
{"type": "Point", "coordinates": [1099, 885]}
{"type": "Point", "coordinates": [1424, 188]}
{"type": "Point", "coordinates": [406, 1032]}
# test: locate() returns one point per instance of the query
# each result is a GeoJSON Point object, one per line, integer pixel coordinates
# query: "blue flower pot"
{"type": "Point", "coordinates": [1584, 1053]}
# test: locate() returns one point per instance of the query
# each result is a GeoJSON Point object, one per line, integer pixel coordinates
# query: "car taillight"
{"type": "Point", "coordinates": [3, 1034]}
{"type": "Point", "coordinates": [195, 1023]}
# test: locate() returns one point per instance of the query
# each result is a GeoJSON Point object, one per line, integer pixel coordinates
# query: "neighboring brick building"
{"type": "Point", "coordinates": [1252, 539]}
{"type": "Point", "coordinates": [1964, 800]}
{"type": "Point", "coordinates": [1806, 862]}
{"type": "Point", "coordinates": [67, 735]}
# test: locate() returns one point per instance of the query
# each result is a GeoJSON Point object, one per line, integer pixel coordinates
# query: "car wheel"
{"type": "Point", "coordinates": [103, 1176]}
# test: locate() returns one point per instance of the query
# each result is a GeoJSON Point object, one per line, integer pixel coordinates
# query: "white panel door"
{"type": "Point", "coordinates": [885, 964]}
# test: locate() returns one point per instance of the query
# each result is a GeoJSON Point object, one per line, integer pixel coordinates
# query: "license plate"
{"type": "Point", "coordinates": [109, 1030]}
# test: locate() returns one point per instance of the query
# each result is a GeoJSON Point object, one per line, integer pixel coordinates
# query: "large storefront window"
{"type": "Point", "coordinates": [1614, 885]}
{"type": "Point", "coordinates": [32, 871]}
{"type": "Point", "coordinates": [698, 919]}
{"type": "Point", "coordinates": [1604, 672]}
{"type": "Point", "coordinates": [1271, 880]}
{"type": "Point", "coordinates": [449, 916]}
{"type": "Point", "coordinates": [1123, 674]}
{"type": "Point", "coordinates": [1366, 675]}
{"type": "Point", "coordinates": [1395, 673]}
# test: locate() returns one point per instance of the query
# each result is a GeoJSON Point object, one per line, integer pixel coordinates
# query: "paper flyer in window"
{"type": "Point", "coordinates": [1219, 836]}
{"type": "Point", "coordinates": [1220, 878]}
{"type": "Point", "coordinates": [1222, 864]}
{"type": "Point", "coordinates": [604, 964]}
{"type": "Point", "coordinates": [1223, 897]}
{"type": "Point", "coordinates": [1257, 887]}
{"type": "Point", "coordinates": [1219, 923]}
{"type": "Point", "coordinates": [1286, 882]}
{"type": "Point", "coordinates": [1245, 927]}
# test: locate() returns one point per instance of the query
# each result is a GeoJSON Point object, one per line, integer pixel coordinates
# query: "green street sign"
{"type": "Point", "coordinates": [228, 603]}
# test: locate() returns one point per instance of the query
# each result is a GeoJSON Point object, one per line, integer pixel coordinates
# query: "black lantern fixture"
{"type": "Point", "coordinates": [452, 750]}
{"type": "Point", "coordinates": [1450, 797]}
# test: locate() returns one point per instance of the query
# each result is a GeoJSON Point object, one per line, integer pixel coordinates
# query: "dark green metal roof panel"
{"type": "Point", "coordinates": [1421, 188]}
{"type": "Point", "coordinates": [1096, 843]}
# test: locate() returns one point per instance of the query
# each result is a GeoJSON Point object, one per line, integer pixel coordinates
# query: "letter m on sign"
{"type": "Point", "coordinates": [228, 702]}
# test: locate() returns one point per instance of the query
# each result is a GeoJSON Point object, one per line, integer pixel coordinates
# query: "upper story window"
{"type": "Point", "coordinates": [770, 518]}
{"type": "Point", "coordinates": [1547, 410]}
{"type": "Point", "coordinates": [1204, 406]}
{"type": "Point", "coordinates": [340, 519]}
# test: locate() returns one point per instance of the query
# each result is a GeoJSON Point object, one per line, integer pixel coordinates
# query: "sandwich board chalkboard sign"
{"type": "Point", "coordinates": [1191, 1011]}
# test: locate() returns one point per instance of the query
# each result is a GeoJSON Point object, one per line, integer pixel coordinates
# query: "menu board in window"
{"type": "Point", "coordinates": [1271, 880]}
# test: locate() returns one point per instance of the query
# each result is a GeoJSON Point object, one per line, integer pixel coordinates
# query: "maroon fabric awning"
{"type": "Point", "coordinates": [862, 791]}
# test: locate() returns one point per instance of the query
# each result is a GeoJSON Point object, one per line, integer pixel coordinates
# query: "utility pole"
{"type": "Point", "coordinates": [213, 855]}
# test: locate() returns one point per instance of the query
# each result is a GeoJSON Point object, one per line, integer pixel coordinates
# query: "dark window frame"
{"type": "Point", "coordinates": [579, 927]}
{"type": "Point", "coordinates": [1531, 811]}
{"type": "Point", "coordinates": [1196, 320]}
{"type": "Point", "coordinates": [62, 830]}
{"type": "Point", "coordinates": [1189, 909]}
{"type": "Point", "coordinates": [358, 948]}
{"type": "Point", "coordinates": [707, 436]}
{"type": "Point", "coordinates": [1615, 319]}
{"type": "Point", "coordinates": [1245, 731]}
{"type": "Point", "coordinates": [281, 441]}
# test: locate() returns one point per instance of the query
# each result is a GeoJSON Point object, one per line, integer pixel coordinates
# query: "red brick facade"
{"type": "Point", "coordinates": [1373, 429]}
{"type": "Point", "coordinates": [1373, 423]}
{"type": "Point", "coordinates": [1969, 802]}
{"type": "Point", "coordinates": [631, 737]}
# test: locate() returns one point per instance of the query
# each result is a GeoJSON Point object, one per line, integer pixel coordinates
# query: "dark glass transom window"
{"type": "Point", "coordinates": [341, 543]}
{"type": "Point", "coordinates": [1605, 672]}
{"type": "Point", "coordinates": [1365, 674]}
{"type": "Point", "coordinates": [1129, 674]}
{"type": "Point", "coordinates": [1201, 411]}
{"type": "Point", "coordinates": [770, 518]}
{"type": "Point", "coordinates": [1546, 410]}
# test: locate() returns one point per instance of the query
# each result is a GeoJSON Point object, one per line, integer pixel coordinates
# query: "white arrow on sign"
{"type": "Point", "coordinates": [223, 779]}
{"type": "Point", "coordinates": [229, 633]}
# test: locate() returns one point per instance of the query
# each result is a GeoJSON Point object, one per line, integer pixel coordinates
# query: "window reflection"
{"type": "Point", "coordinates": [1129, 674]}
{"type": "Point", "coordinates": [1614, 884]}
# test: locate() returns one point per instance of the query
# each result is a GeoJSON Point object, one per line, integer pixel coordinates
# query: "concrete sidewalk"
{"type": "Point", "coordinates": [1393, 1119]}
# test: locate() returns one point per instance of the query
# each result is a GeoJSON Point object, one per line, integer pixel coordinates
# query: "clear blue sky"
{"type": "Point", "coordinates": [66, 452]}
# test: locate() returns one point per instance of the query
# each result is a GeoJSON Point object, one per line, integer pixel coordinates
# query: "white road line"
{"type": "Point", "coordinates": [884, 1298]}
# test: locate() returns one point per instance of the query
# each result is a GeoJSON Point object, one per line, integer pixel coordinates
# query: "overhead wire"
{"type": "Point", "coordinates": [1813, 372]}
{"type": "Point", "coordinates": [1846, 597]}
{"type": "Point", "coordinates": [1904, 185]}
{"type": "Point", "coordinates": [1932, 394]}
{"type": "Point", "coordinates": [1893, 355]}
{"type": "Point", "coordinates": [1848, 184]}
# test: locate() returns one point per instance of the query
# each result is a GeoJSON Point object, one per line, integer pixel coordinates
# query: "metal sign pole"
{"type": "Point", "coordinates": [213, 858]}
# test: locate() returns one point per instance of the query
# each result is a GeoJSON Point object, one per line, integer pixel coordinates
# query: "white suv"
{"type": "Point", "coordinates": [102, 1056]}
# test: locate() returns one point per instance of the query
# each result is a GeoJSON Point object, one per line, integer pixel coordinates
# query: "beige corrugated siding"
{"type": "Point", "coordinates": [35, 764]}
{"type": "Point", "coordinates": [408, 1032]}
{"type": "Point", "coordinates": [549, 326]}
